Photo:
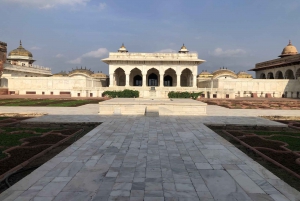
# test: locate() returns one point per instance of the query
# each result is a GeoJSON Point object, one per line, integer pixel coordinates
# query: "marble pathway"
{"type": "Point", "coordinates": [152, 158]}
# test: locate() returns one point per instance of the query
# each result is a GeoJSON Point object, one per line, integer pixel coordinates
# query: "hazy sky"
{"type": "Point", "coordinates": [63, 34]}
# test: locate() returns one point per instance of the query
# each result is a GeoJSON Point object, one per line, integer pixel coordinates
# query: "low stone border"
{"type": "Point", "coordinates": [266, 157]}
{"type": "Point", "coordinates": [23, 164]}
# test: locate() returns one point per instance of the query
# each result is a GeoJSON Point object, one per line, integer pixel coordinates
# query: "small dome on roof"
{"type": "Point", "coordinates": [289, 50]}
{"type": "Point", "coordinates": [205, 74]}
{"type": "Point", "coordinates": [20, 51]}
{"type": "Point", "coordinates": [122, 48]}
{"type": "Point", "coordinates": [183, 49]}
{"type": "Point", "coordinates": [99, 75]}
{"type": "Point", "coordinates": [243, 74]}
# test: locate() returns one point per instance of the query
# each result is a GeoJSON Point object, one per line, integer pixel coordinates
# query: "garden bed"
{"type": "Point", "coordinates": [276, 148]}
{"type": "Point", "coordinates": [26, 145]}
{"type": "Point", "coordinates": [255, 104]}
{"type": "Point", "coordinates": [48, 102]}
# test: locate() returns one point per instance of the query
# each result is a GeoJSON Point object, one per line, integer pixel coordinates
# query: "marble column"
{"type": "Point", "coordinates": [194, 81]}
{"type": "Point", "coordinates": [161, 80]}
{"type": "Point", "coordinates": [127, 80]}
{"type": "Point", "coordinates": [144, 80]}
{"type": "Point", "coordinates": [111, 80]}
{"type": "Point", "coordinates": [178, 81]}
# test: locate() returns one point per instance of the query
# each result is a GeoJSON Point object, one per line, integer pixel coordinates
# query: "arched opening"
{"type": "Point", "coordinates": [170, 77]}
{"type": "Point", "coordinates": [298, 73]}
{"type": "Point", "coordinates": [279, 75]}
{"type": "Point", "coordinates": [119, 77]}
{"type": "Point", "coordinates": [152, 80]}
{"type": "Point", "coordinates": [135, 78]}
{"type": "Point", "coordinates": [262, 76]}
{"type": "Point", "coordinates": [186, 78]}
{"type": "Point", "coordinates": [270, 75]}
{"type": "Point", "coordinates": [152, 77]}
{"type": "Point", "coordinates": [289, 74]}
{"type": "Point", "coordinates": [168, 81]}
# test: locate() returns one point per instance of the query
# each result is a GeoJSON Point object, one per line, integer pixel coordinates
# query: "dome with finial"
{"type": "Point", "coordinates": [20, 51]}
{"type": "Point", "coordinates": [183, 49]}
{"type": "Point", "coordinates": [243, 74]}
{"type": "Point", "coordinates": [289, 50]}
{"type": "Point", "coordinates": [205, 74]}
{"type": "Point", "coordinates": [122, 48]}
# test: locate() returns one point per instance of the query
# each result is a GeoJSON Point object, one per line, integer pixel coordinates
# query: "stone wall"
{"type": "Point", "coordinates": [3, 52]}
{"type": "Point", "coordinates": [245, 87]}
{"type": "Point", "coordinates": [83, 87]}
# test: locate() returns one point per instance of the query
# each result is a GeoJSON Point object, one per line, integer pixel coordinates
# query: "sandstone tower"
{"type": "Point", "coordinates": [3, 52]}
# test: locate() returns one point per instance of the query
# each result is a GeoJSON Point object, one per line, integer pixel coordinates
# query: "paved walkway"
{"type": "Point", "coordinates": [151, 158]}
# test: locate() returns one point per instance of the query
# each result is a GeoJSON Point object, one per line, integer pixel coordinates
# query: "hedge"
{"type": "Point", "coordinates": [122, 94]}
{"type": "Point", "coordinates": [193, 95]}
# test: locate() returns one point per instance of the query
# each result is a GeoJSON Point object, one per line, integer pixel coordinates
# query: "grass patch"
{"type": "Point", "coordinates": [9, 140]}
{"type": "Point", "coordinates": [47, 102]}
{"type": "Point", "coordinates": [294, 143]}
{"type": "Point", "coordinates": [268, 133]}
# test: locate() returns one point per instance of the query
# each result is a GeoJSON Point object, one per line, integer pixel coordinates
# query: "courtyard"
{"type": "Point", "coordinates": [151, 158]}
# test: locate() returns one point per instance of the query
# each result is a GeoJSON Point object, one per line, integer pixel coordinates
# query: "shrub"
{"type": "Point", "coordinates": [122, 94]}
{"type": "Point", "coordinates": [193, 95]}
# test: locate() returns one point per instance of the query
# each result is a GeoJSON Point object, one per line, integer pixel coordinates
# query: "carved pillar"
{"type": "Point", "coordinates": [178, 80]}
{"type": "Point", "coordinates": [144, 80]}
{"type": "Point", "coordinates": [127, 80]}
{"type": "Point", "coordinates": [194, 81]}
{"type": "Point", "coordinates": [161, 80]}
{"type": "Point", "coordinates": [111, 80]}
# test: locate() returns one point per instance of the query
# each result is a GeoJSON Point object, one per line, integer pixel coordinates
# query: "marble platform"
{"type": "Point", "coordinates": [140, 106]}
{"type": "Point", "coordinates": [151, 158]}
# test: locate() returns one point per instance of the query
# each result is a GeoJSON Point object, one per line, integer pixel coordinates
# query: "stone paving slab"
{"type": "Point", "coordinates": [151, 158]}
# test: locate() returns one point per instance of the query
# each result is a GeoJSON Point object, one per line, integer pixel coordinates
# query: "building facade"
{"type": "Point", "coordinates": [285, 67]}
{"type": "Point", "coordinates": [153, 69]}
{"type": "Point", "coordinates": [3, 52]}
{"type": "Point", "coordinates": [19, 63]}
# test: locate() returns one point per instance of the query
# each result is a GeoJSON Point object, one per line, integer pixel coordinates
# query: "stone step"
{"type": "Point", "coordinates": [152, 111]}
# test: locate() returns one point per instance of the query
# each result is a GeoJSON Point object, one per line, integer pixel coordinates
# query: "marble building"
{"type": "Point", "coordinates": [154, 75]}
{"type": "Point", "coordinates": [153, 69]}
{"type": "Point", "coordinates": [285, 67]}
{"type": "Point", "coordinates": [19, 63]}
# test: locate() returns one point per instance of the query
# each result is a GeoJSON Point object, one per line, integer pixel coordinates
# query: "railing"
{"type": "Point", "coordinates": [31, 66]}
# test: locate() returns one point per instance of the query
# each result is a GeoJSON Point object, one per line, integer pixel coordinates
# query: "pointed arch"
{"type": "Point", "coordinates": [135, 77]}
{"type": "Point", "coordinates": [279, 75]}
{"type": "Point", "coordinates": [298, 73]}
{"type": "Point", "coordinates": [170, 77]}
{"type": "Point", "coordinates": [119, 77]}
{"type": "Point", "coordinates": [153, 77]}
{"type": "Point", "coordinates": [262, 76]}
{"type": "Point", "coordinates": [186, 78]}
{"type": "Point", "coordinates": [270, 75]}
{"type": "Point", "coordinates": [289, 74]}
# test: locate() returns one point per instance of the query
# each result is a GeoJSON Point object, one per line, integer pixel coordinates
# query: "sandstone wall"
{"type": "Point", "coordinates": [3, 52]}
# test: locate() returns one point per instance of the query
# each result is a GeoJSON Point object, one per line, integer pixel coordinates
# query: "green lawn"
{"type": "Point", "coordinates": [294, 143]}
{"type": "Point", "coordinates": [7, 139]}
{"type": "Point", "coordinates": [47, 102]}
{"type": "Point", "coordinates": [268, 133]}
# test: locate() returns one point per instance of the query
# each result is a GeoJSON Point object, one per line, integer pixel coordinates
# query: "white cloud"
{"type": "Point", "coordinates": [169, 50]}
{"type": "Point", "coordinates": [75, 61]}
{"type": "Point", "coordinates": [92, 54]}
{"type": "Point", "coordinates": [59, 56]}
{"type": "Point", "coordinates": [35, 48]}
{"type": "Point", "coordinates": [47, 4]}
{"type": "Point", "coordinates": [102, 6]}
{"type": "Point", "coordinates": [228, 53]}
